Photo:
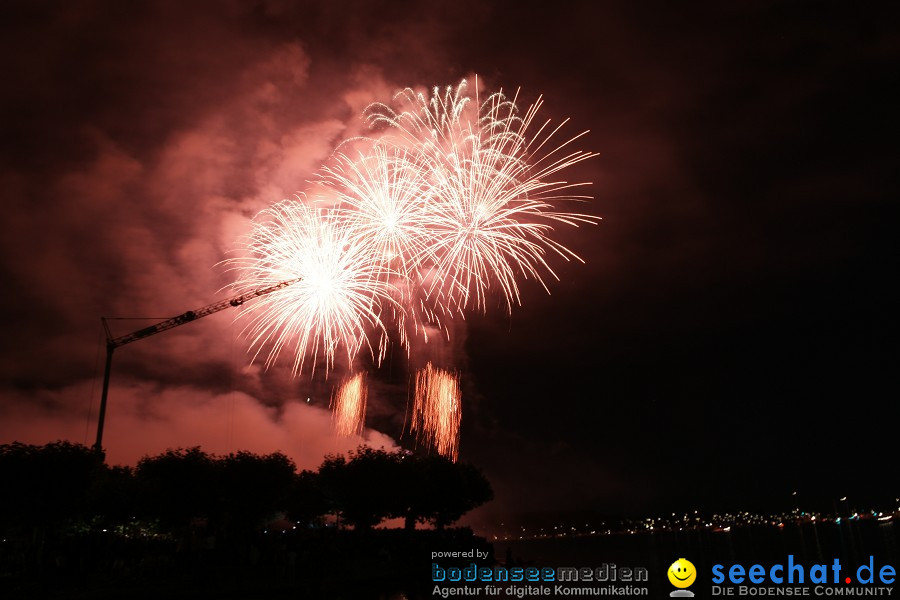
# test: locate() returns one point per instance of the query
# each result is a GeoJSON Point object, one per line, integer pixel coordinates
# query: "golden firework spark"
{"type": "Point", "coordinates": [349, 406]}
{"type": "Point", "coordinates": [437, 410]}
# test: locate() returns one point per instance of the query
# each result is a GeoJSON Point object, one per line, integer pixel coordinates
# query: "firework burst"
{"type": "Point", "coordinates": [384, 198]}
{"type": "Point", "coordinates": [338, 287]}
{"type": "Point", "coordinates": [455, 199]}
{"type": "Point", "coordinates": [491, 192]}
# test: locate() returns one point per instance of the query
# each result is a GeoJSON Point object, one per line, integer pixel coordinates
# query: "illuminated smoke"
{"type": "Point", "coordinates": [349, 406]}
{"type": "Point", "coordinates": [437, 410]}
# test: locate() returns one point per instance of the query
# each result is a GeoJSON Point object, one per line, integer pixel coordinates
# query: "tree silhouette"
{"type": "Point", "coordinates": [373, 485]}
{"type": "Point", "coordinates": [456, 488]}
{"type": "Point", "coordinates": [113, 495]}
{"type": "Point", "coordinates": [177, 486]}
{"type": "Point", "coordinates": [45, 485]}
{"type": "Point", "coordinates": [252, 487]}
{"type": "Point", "coordinates": [308, 500]}
{"type": "Point", "coordinates": [233, 493]}
{"type": "Point", "coordinates": [436, 490]}
{"type": "Point", "coordinates": [362, 488]}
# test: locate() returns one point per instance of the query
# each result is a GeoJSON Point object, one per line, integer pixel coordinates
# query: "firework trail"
{"type": "Point", "coordinates": [437, 410]}
{"type": "Point", "coordinates": [349, 406]}
{"type": "Point", "coordinates": [490, 192]}
{"type": "Point", "coordinates": [337, 287]}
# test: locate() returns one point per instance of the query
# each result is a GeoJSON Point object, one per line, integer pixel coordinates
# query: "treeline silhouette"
{"type": "Point", "coordinates": [242, 522]}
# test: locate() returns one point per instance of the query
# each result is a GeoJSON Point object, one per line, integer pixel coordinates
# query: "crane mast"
{"type": "Point", "coordinates": [192, 315]}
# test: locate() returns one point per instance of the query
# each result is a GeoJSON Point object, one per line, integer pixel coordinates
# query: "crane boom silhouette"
{"type": "Point", "coordinates": [192, 315]}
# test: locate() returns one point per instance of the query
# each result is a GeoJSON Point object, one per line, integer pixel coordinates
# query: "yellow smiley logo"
{"type": "Point", "coordinates": [682, 573]}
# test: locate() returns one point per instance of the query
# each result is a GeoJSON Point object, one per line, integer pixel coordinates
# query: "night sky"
{"type": "Point", "coordinates": [731, 339]}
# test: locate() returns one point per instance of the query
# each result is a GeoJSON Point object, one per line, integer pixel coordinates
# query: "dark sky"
{"type": "Point", "coordinates": [732, 337]}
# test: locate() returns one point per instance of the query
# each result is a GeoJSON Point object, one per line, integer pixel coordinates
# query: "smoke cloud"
{"type": "Point", "coordinates": [145, 141]}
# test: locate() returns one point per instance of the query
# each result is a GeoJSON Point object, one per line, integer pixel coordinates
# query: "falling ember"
{"type": "Point", "coordinates": [437, 411]}
{"type": "Point", "coordinates": [349, 406]}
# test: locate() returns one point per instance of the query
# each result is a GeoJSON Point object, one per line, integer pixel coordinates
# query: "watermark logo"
{"type": "Point", "coordinates": [791, 578]}
{"type": "Point", "coordinates": [682, 574]}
